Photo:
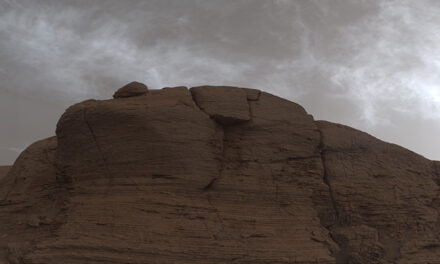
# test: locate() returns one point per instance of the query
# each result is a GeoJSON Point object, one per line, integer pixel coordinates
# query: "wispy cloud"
{"type": "Point", "coordinates": [13, 149]}
{"type": "Point", "coordinates": [369, 64]}
{"type": "Point", "coordinates": [395, 61]}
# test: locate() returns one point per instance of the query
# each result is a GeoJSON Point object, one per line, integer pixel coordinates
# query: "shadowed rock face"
{"type": "Point", "coordinates": [215, 174]}
{"type": "Point", "coordinates": [3, 171]}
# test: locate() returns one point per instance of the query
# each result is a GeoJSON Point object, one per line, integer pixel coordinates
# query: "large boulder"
{"type": "Point", "coordinates": [130, 90]}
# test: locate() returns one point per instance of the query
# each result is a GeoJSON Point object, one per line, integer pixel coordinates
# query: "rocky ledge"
{"type": "Point", "coordinates": [215, 174]}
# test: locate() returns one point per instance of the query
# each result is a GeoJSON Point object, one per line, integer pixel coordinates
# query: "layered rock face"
{"type": "Point", "coordinates": [3, 171]}
{"type": "Point", "coordinates": [215, 174]}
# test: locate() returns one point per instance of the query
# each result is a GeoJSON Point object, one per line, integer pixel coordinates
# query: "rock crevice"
{"type": "Point", "coordinates": [97, 145]}
{"type": "Point", "coordinates": [226, 105]}
{"type": "Point", "coordinates": [325, 177]}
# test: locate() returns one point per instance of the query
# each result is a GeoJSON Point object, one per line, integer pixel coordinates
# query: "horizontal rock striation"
{"type": "Point", "coordinates": [385, 196]}
{"type": "Point", "coordinates": [215, 174]}
{"type": "Point", "coordinates": [3, 171]}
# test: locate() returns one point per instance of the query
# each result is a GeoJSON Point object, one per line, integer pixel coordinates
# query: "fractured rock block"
{"type": "Point", "coordinates": [227, 105]}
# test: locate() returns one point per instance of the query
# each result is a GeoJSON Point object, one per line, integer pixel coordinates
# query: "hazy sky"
{"type": "Point", "coordinates": [373, 65]}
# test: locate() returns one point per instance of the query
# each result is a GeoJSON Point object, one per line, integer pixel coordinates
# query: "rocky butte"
{"type": "Point", "coordinates": [215, 174]}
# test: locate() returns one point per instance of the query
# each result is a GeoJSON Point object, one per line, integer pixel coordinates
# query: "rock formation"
{"type": "Point", "coordinates": [131, 89]}
{"type": "Point", "coordinates": [215, 174]}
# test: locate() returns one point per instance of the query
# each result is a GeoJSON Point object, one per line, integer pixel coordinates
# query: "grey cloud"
{"type": "Point", "coordinates": [13, 149]}
{"type": "Point", "coordinates": [368, 64]}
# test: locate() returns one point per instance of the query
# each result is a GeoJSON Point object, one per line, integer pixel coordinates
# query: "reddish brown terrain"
{"type": "Point", "coordinates": [3, 171]}
{"type": "Point", "coordinates": [215, 175]}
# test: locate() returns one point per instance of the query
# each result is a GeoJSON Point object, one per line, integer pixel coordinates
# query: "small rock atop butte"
{"type": "Point", "coordinates": [131, 89]}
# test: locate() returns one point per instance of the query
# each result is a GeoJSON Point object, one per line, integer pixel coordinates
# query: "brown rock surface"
{"type": "Point", "coordinates": [385, 197]}
{"type": "Point", "coordinates": [215, 175]}
{"type": "Point", "coordinates": [3, 171]}
{"type": "Point", "coordinates": [227, 105]}
{"type": "Point", "coordinates": [131, 89]}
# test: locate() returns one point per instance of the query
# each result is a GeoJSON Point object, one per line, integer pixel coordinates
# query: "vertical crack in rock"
{"type": "Point", "coordinates": [222, 163]}
{"type": "Point", "coordinates": [249, 100]}
{"type": "Point", "coordinates": [325, 179]}
{"type": "Point", "coordinates": [193, 97]}
{"type": "Point", "coordinates": [98, 146]}
{"type": "Point", "coordinates": [210, 184]}
{"type": "Point", "coordinates": [222, 146]}
{"type": "Point", "coordinates": [225, 104]}
{"type": "Point", "coordinates": [217, 213]}
{"type": "Point", "coordinates": [325, 176]}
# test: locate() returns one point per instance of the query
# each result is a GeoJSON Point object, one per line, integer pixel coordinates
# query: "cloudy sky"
{"type": "Point", "coordinates": [373, 65]}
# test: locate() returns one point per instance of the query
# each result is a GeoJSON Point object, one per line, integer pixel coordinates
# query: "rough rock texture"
{"type": "Point", "coordinates": [227, 105]}
{"type": "Point", "coordinates": [131, 89]}
{"type": "Point", "coordinates": [3, 171]}
{"type": "Point", "coordinates": [215, 175]}
{"type": "Point", "coordinates": [385, 197]}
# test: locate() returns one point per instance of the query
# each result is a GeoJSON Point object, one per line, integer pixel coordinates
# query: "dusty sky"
{"type": "Point", "coordinates": [373, 65]}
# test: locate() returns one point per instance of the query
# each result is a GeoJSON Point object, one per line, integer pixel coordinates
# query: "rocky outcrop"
{"type": "Point", "coordinates": [215, 175]}
{"type": "Point", "coordinates": [385, 197]}
{"type": "Point", "coordinates": [32, 201]}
